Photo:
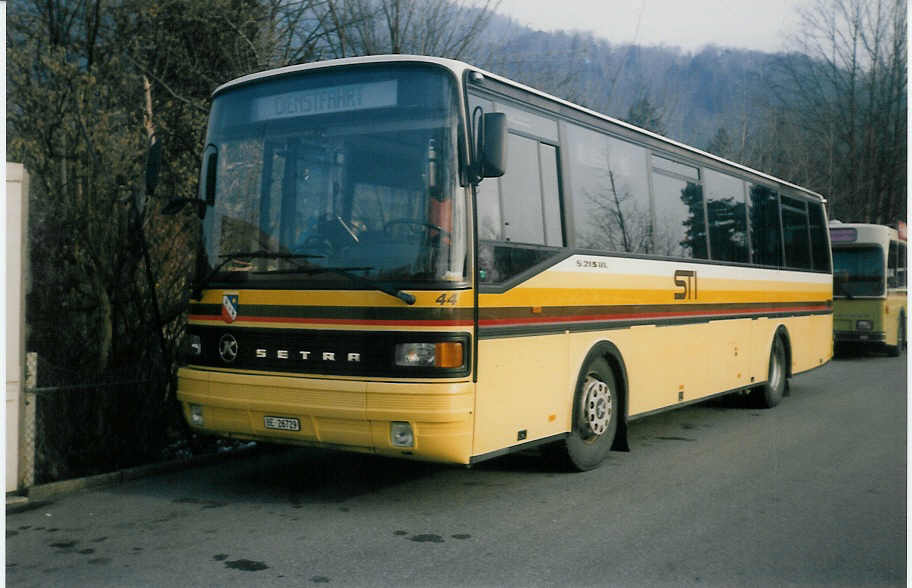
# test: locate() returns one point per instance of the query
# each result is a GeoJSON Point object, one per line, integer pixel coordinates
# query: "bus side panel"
{"type": "Point", "coordinates": [526, 384]}
{"type": "Point", "coordinates": [815, 345]}
{"type": "Point", "coordinates": [729, 350]}
{"type": "Point", "coordinates": [895, 307]}
{"type": "Point", "coordinates": [809, 337]}
{"type": "Point", "coordinates": [657, 362]}
{"type": "Point", "coordinates": [668, 365]}
{"type": "Point", "coordinates": [523, 385]}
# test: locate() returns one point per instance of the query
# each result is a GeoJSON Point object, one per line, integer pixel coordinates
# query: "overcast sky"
{"type": "Point", "coordinates": [689, 24]}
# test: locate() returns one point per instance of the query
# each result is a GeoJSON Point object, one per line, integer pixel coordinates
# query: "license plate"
{"type": "Point", "coordinates": [282, 423]}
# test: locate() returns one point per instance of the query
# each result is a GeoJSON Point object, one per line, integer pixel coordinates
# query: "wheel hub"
{"type": "Point", "coordinates": [597, 405]}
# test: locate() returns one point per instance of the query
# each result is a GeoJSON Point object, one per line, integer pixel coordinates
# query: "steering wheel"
{"type": "Point", "coordinates": [426, 226]}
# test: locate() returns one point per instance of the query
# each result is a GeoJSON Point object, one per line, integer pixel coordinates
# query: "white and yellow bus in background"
{"type": "Point", "coordinates": [412, 257]}
{"type": "Point", "coordinates": [869, 286]}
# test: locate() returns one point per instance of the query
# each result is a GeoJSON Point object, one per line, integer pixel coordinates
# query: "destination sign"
{"type": "Point", "coordinates": [844, 235]}
{"type": "Point", "coordinates": [326, 100]}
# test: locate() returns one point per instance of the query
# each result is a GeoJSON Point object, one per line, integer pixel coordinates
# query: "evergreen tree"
{"type": "Point", "coordinates": [646, 115]}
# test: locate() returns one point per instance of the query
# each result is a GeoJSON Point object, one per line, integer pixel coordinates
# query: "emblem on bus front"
{"type": "Point", "coordinates": [228, 348]}
{"type": "Point", "coordinates": [229, 307]}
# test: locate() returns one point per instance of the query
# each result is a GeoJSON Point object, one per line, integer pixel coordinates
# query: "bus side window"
{"type": "Point", "coordinates": [901, 267]}
{"type": "Point", "coordinates": [521, 198]}
{"type": "Point", "coordinates": [608, 192]}
{"type": "Point", "coordinates": [796, 233]}
{"type": "Point", "coordinates": [820, 251]}
{"type": "Point", "coordinates": [519, 213]}
{"type": "Point", "coordinates": [726, 217]}
{"type": "Point", "coordinates": [680, 227]}
{"type": "Point", "coordinates": [892, 259]}
{"type": "Point", "coordinates": [766, 238]}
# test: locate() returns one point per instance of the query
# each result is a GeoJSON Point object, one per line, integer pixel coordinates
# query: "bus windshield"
{"type": "Point", "coordinates": [334, 175]}
{"type": "Point", "coordinates": [859, 271]}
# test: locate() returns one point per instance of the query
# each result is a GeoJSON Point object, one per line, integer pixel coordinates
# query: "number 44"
{"type": "Point", "coordinates": [449, 300]}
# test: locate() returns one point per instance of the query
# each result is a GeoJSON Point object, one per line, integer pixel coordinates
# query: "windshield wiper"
{"type": "Point", "coordinates": [197, 291]}
{"type": "Point", "coordinates": [347, 272]}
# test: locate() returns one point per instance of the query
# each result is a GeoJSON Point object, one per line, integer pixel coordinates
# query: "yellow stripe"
{"type": "Point", "coordinates": [352, 298]}
{"type": "Point", "coordinates": [579, 296]}
{"type": "Point", "coordinates": [329, 326]}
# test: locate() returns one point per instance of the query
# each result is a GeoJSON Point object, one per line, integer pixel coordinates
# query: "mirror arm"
{"type": "Point", "coordinates": [176, 205]}
{"type": "Point", "coordinates": [476, 167]}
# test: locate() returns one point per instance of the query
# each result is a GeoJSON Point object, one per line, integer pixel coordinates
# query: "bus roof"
{"type": "Point", "coordinates": [459, 68]}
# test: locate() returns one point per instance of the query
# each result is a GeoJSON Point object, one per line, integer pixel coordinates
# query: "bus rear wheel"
{"type": "Point", "coordinates": [595, 418]}
{"type": "Point", "coordinates": [770, 393]}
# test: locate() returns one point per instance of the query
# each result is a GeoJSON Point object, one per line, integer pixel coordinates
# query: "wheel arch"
{"type": "Point", "coordinates": [610, 353]}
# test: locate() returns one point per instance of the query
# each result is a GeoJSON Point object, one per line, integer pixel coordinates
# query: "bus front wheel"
{"type": "Point", "coordinates": [770, 393]}
{"type": "Point", "coordinates": [595, 417]}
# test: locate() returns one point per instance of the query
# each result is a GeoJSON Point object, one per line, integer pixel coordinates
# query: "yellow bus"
{"type": "Point", "coordinates": [412, 257]}
{"type": "Point", "coordinates": [869, 286]}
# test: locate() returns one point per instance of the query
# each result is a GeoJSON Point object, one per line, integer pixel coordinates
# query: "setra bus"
{"type": "Point", "coordinates": [869, 286]}
{"type": "Point", "coordinates": [412, 257]}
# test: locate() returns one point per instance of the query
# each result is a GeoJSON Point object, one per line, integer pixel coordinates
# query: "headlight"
{"type": "Point", "coordinates": [447, 354]}
{"type": "Point", "coordinates": [191, 347]}
{"type": "Point", "coordinates": [863, 325]}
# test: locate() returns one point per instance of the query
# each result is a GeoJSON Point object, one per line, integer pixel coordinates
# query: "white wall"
{"type": "Point", "coordinates": [16, 264]}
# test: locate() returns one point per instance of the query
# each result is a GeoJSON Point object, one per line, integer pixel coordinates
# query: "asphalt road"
{"type": "Point", "coordinates": [812, 492]}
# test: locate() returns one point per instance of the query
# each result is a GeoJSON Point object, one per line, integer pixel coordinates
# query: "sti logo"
{"type": "Point", "coordinates": [229, 307]}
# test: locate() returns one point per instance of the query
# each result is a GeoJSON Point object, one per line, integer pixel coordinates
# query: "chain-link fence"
{"type": "Point", "coordinates": [75, 428]}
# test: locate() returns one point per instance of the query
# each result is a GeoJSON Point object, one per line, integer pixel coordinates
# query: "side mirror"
{"type": "Point", "coordinates": [206, 188]}
{"type": "Point", "coordinates": [494, 150]}
{"type": "Point", "coordinates": [490, 149]}
{"type": "Point", "coordinates": [210, 165]}
{"type": "Point", "coordinates": [153, 164]}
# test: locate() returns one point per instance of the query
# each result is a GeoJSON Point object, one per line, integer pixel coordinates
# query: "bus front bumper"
{"type": "Point", "coordinates": [859, 336]}
{"type": "Point", "coordinates": [344, 414]}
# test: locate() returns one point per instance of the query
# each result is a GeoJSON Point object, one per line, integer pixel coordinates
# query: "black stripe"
{"type": "Point", "coordinates": [374, 350]}
{"type": "Point", "coordinates": [524, 330]}
{"type": "Point", "coordinates": [514, 448]}
{"type": "Point", "coordinates": [690, 402]}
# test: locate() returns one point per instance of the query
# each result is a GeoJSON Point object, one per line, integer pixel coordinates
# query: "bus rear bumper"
{"type": "Point", "coordinates": [342, 414]}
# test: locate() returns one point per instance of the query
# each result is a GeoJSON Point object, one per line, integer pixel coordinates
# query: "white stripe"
{"type": "Point", "coordinates": [656, 267]}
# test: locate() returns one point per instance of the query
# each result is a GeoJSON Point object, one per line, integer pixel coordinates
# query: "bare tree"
{"type": "Point", "coordinates": [847, 90]}
{"type": "Point", "coordinates": [442, 28]}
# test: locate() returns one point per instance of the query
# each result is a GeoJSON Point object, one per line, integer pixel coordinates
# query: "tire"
{"type": "Point", "coordinates": [896, 350]}
{"type": "Point", "coordinates": [770, 393]}
{"type": "Point", "coordinates": [595, 418]}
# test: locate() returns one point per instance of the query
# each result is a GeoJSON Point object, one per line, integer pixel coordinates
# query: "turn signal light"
{"type": "Point", "coordinates": [449, 355]}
